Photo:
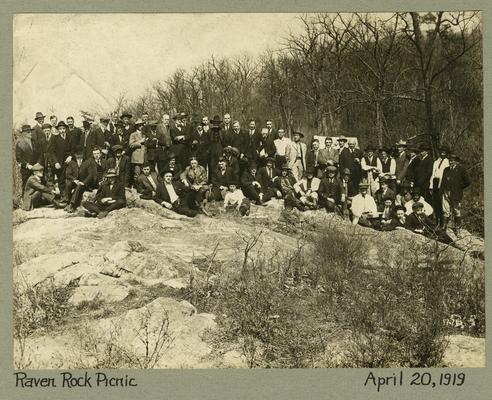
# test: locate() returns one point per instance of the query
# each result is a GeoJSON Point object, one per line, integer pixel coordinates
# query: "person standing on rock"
{"type": "Point", "coordinates": [109, 197]}
{"type": "Point", "coordinates": [168, 195]}
{"type": "Point", "coordinates": [435, 182]}
{"type": "Point", "coordinates": [296, 156]}
{"type": "Point", "coordinates": [138, 149]}
{"type": "Point", "coordinates": [25, 153]}
{"type": "Point", "coordinates": [146, 183]}
{"type": "Point", "coordinates": [455, 180]}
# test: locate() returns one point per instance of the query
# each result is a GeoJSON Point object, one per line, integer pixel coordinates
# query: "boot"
{"type": "Point", "coordinates": [444, 224]}
{"type": "Point", "coordinates": [457, 226]}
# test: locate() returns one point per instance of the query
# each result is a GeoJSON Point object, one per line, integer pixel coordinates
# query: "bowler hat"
{"type": "Point", "coordinates": [126, 114]}
{"type": "Point", "coordinates": [62, 123]}
{"type": "Point", "coordinates": [216, 120]}
{"type": "Point", "coordinates": [46, 125]}
{"type": "Point", "coordinates": [78, 149]}
{"type": "Point", "coordinates": [111, 173]}
{"type": "Point", "coordinates": [424, 147]}
{"type": "Point", "coordinates": [383, 179]}
{"type": "Point", "coordinates": [39, 115]}
{"type": "Point", "coordinates": [153, 122]}
{"type": "Point", "coordinates": [117, 147]}
{"type": "Point", "coordinates": [171, 155]}
{"type": "Point", "coordinates": [298, 133]}
{"type": "Point", "coordinates": [167, 171]}
{"type": "Point", "coordinates": [444, 149]}
{"type": "Point", "coordinates": [252, 165]}
{"type": "Point", "coordinates": [180, 115]}
{"type": "Point", "coordinates": [232, 182]}
{"type": "Point", "coordinates": [309, 171]}
{"type": "Point", "coordinates": [346, 171]}
{"type": "Point", "coordinates": [86, 124]}
{"type": "Point", "coordinates": [26, 128]}
{"type": "Point", "coordinates": [88, 117]}
{"type": "Point", "coordinates": [37, 167]}
{"type": "Point", "coordinates": [363, 185]}
{"type": "Point", "coordinates": [453, 157]}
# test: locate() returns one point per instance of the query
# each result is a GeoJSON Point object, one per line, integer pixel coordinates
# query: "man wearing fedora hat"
{"type": "Point", "coordinates": [119, 138]}
{"type": "Point", "coordinates": [454, 181]}
{"type": "Point", "coordinates": [110, 196]}
{"type": "Point", "coordinates": [128, 128]}
{"type": "Point", "coordinates": [286, 181]}
{"type": "Point", "coordinates": [60, 149]}
{"type": "Point", "coordinates": [424, 172]}
{"type": "Point", "coordinates": [296, 155]}
{"type": "Point", "coordinates": [38, 128]}
{"type": "Point", "coordinates": [438, 168]}
{"type": "Point", "coordinates": [120, 163]}
{"type": "Point", "coordinates": [401, 161]}
{"type": "Point", "coordinates": [180, 138]}
{"type": "Point", "coordinates": [216, 144]}
{"type": "Point", "coordinates": [72, 172]}
{"type": "Point", "coordinates": [138, 151]}
{"type": "Point", "coordinates": [251, 186]}
{"type": "Point", "coordinates": [231, 155]}
{"type": "Point", "coordinates": [36, 194]}
{"type": "Point", "coordinates": [154, 141]}
{"type": "Point", "coordinates": [350, 157]}
{"type": "Point", "coordinates": [25, 153]}
{"type": "Point", "coordinates": [91, 137]}
{"type": "Point", "coordinates": [306, 190]}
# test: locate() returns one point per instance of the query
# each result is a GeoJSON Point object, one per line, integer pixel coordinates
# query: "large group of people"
{"type": "Point", "coordinates": [184, 165]}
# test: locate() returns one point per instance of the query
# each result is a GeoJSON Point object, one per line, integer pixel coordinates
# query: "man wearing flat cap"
{"type": "Point", "coordinates": [25, 153]}
{"type": "Point", "coordinates": [438, 168]}
{"type": "Point", "coordinates": [36, 194]}
{"type": "Point", "coordinates": [330, 190]}
{"type": "Point", "coordinates": [110, 196]}
{"type": "Point", "coordinates": [455, 180]}
{"type": "Point", "coordinates": [296, 155]}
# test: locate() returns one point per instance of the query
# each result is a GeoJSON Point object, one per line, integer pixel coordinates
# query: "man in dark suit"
{"type": "Point", "coordinates": [237, 138]}
{"type": "Point", "coordinates": [401, 161]}
{"type": "Point", "coordinates": [329, 191]}
{"type": "Point", "coordinates": [455, 180]}
{"type": "Point", "coordinates": [90, 175]}
{"type": "Point", "coordinates": [74, 132]}
{"type": "Point", "coordinates": [146, 183]}
{"type": "Point", "coordinates": [227, 127]}
{"type": "Point", "coordinates": [72, 172]}
{"type": "Point", "coordinates": [272, 132]}
{"type": "Point", "coordinates": [200, 145]}
{"type": "Point", "coordinates": [164, 132]}
{"type": "Point", "coordinates": [410, 177]}
{"type": "Point", "coordinates": [169, 195]}
{"type": "Point", "coordinates": [154, 140]}
{"type": "Point", "coordinates": [110, 196]}
{"type": "Point", "coordinates": [180, 139]}
{"type": "Point", "coordinates": [120, 163]}
{"type": "Point", "coordinates": [251, 153]}
{"type": "Point", "coordinates": [119, 138]}
{"type": "Point", "coordinates": [90, 138]}
{"type": "Point", "coordinates": [38, 128]}
{"type": "Point", "coordinates": [250, 185]}
{"type": "Point", "coordinates": [36, 193]}
{"type": "Point", "coordinates": [424, 173]}
{"type": "Point", "coordinates": [220, 180]}
{"type": "Point", "coordinates": [350, 157]}
{"type": "Point", "coordinates": [265, 147]}
{"type": "Point", "coordinates": [60, 148]}
{"type": "Point", "coordinates": [25, 154]}
{"type": "Point", "coordinates": [267, 176]}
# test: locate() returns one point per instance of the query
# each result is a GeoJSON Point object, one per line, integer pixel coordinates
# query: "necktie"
{"type": "Point", "coordinates": [440, 163]}
{"type": "Point", "coordinates": [270, 173]}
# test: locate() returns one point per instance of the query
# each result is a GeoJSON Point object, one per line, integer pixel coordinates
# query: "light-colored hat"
{"type": "Point", "coordinates": [37, 167]}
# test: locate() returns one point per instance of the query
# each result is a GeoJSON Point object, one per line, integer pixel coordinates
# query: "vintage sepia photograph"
{"type": "Point", "coordinates": [248, 190]}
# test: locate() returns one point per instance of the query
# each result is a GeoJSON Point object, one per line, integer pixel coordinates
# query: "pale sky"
{"type": "Point", "coordinates": [112, 53]}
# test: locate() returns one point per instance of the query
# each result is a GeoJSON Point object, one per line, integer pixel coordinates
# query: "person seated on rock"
{"type": "Point", "coordinates": [418, 221]}
{"type": "Point", "coordinates": [110, 196]}
{"type": "Point", "coordinates": [173, 166]}
{"type": "Point", "coordinates": [72, 172]}
{"type": "Point", "coordinates": [306, 190]}
{"type": "Point", "coordinates": [251, 187]}
{"type": "Point", "coordinates": [347, 192]}
{"type": "Point", "coordinates": [399, 220]}
{"type": "Point", "coordinates": [387, 214]}
{"type": "Point", "coordinates": [330, 191]}
{"type": "Point", "coordinates": [286, 181]}
{"type": "Point", "coordinates": [222, 175]}
{"type": "Point", "coordinates": [404, 195]}
{"type": "Point", "coordinates": [119, 162]}
{"type": "Point", "coordinates": [170, 195]}
{"type": "Point", "coordinates": [146, 183]}
{"type": "Point", "coordinates": [235, 199]}
{"type": "Point", "coordinates": [384, 192]}
{"type": "Point", "coordinates": [194, 179]}
{"type": "Point", "coordinates": [267, 177]}
{"type": "Point", "coordinates": [364, 208]}
{"type": "Point", "coordinates": [90, 175]}
{"type": "Point", "coordinates": [231, 155]}
{"type": "Point", "coordinates": [416, 197]}
{"type": "Point", "coordinates": [36, 194]}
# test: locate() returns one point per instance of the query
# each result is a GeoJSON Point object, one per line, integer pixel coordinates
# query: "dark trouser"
{"type": "Point", "coordinates": [437, 204]}
{"type": "Point", "coordinates": [292, 201]}
{"type": "Point", "coordinates": [195, 197]}
{"type": "Point", "coordinates": [77, 195]}
{"type": "Point", "coordinates": [39, 199]}
{"type": "Point", "coordinates": [98, 207]}
{"type": "Point", "coordinates": [69, 188]}
{"type": "Point", "coordinates": [183, 209]}
{"type": "Point", "coordinates": [25, 174]}
{"type": "Point", "coordinates": [329, 205]}
{"type": "Point", "coordinates": [252, 192]}
{"type": "Point", "coordinates": [280, 161]}
{"type": "Point", "coordinates": [152, 164]}
{"type": "Point", "coordinates": [217, 194]}
{"type": "Point", "coordinates": [135, 170]}
{"type": "Point", "coordinates": [60, 177]}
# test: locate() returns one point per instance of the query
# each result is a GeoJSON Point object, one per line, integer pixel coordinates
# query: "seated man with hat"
{"type": "Point", "coordinates": [286, 181]}
{"type": "Point", "coordinates": [347, 192]}
{"type": "Point", "coordinates": [267, 177]}
{"type": "Point", "coordinates": [251, 186]}
{"type": "Point", "coordinates": [306, 190]}
{"type": "Point", "coordinates": [330, 191]}
{"type": "Point", "coordinates": [170, 195]}
{"type": "Point", "coordinates": [418, 221]}
{"type": "Point", "coordinates": [110, 196]}
{"type": "Point", "coordinates": [120, 163]}
{"type": "Point", "coordinates": [173, 166]}
{"type": "Point", "coordinates": [36, 194]}
{"type": "Point", "coordinates": [72, 172]}
{"type": "Point", "coordinates": [383, 193]}
{"type": "Point", "coordinates": [194, 179]}
{"type": "Point", "coordinates": [231, 155]}
{"type": "Point", "coordinates": [364, 208]}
